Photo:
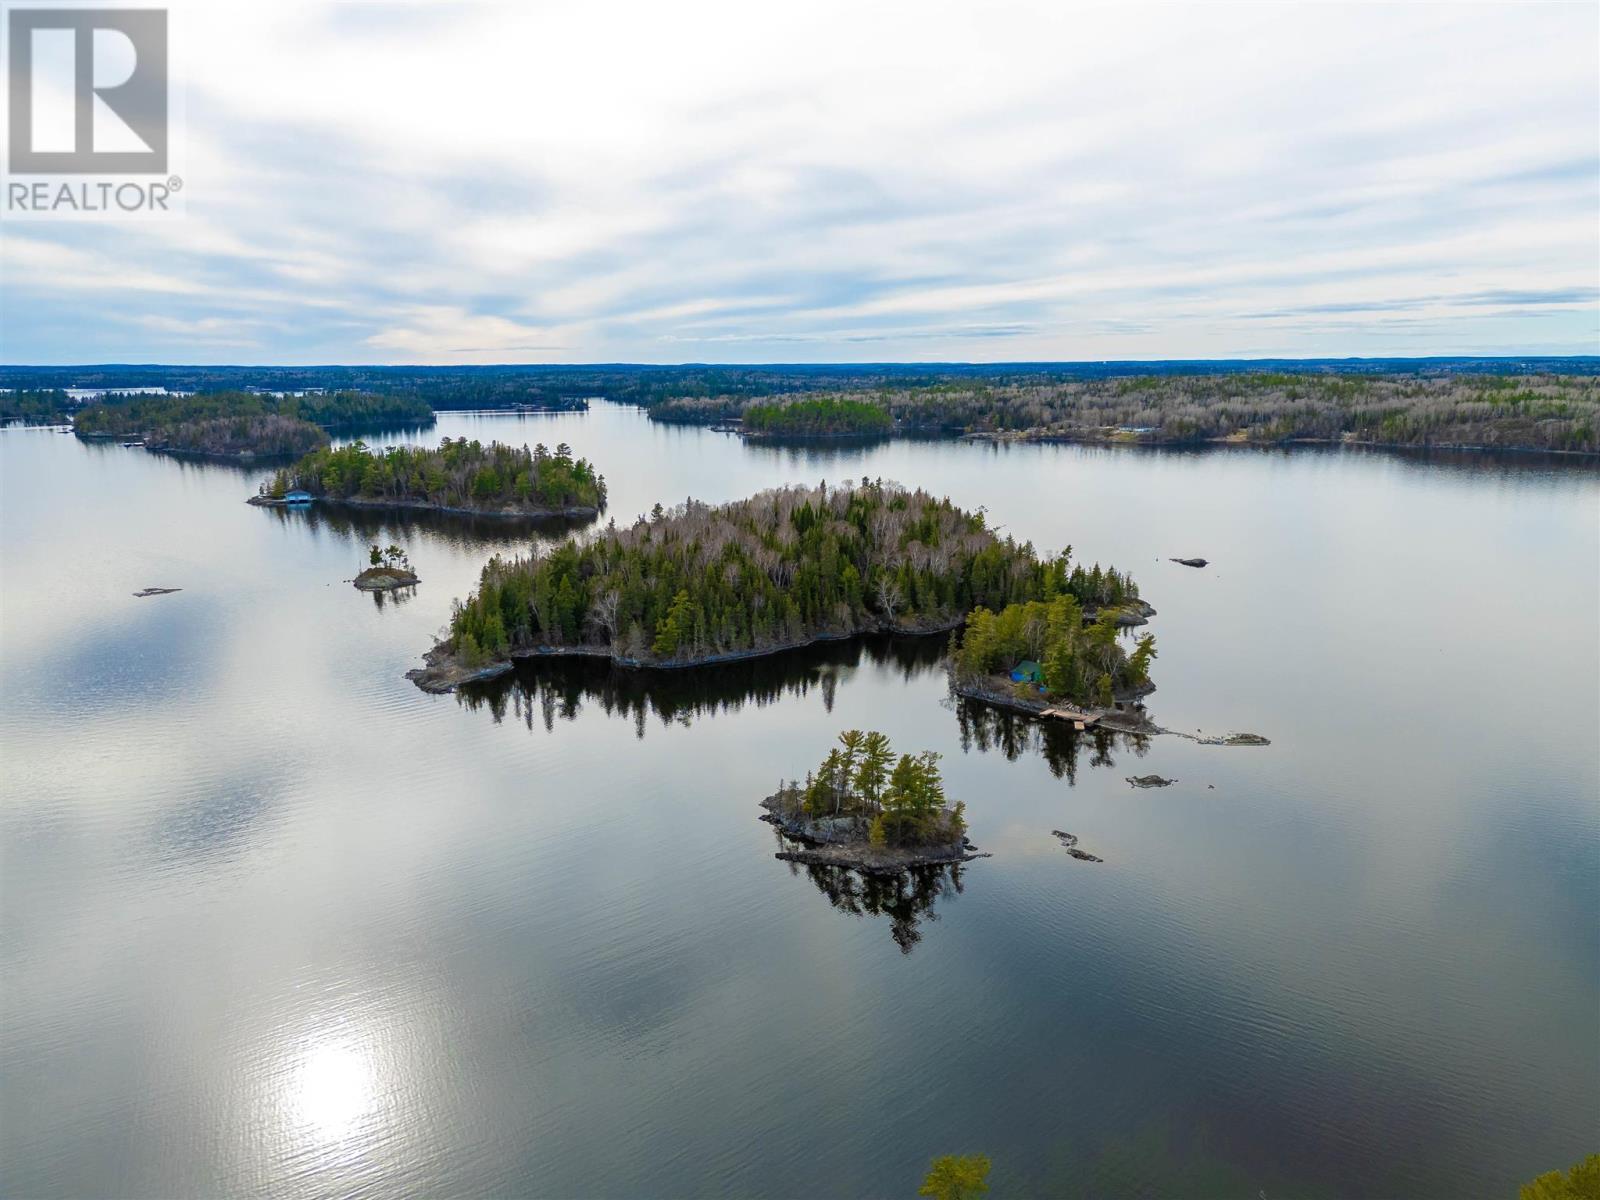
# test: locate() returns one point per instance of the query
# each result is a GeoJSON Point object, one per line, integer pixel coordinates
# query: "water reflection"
{"type": "Point", "coordinates": [557, 688]}
{"type": "Point", "coordinates": [367, 522]}
{"type": "Point", "coordinates": [907, 899]}
{"type": "Point", "coordinates": [986, 728]}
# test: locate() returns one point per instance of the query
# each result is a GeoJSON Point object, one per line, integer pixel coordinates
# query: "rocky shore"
{"type": "Point", "coordinates": [843, 842]}
{"type": "Point", "coordinates": [444, 674]}
{"type": "Point", "coordinates": [383, 579]}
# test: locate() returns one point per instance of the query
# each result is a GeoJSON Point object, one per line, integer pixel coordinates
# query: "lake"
{"type": "Point", "coordinates": [274, 922]}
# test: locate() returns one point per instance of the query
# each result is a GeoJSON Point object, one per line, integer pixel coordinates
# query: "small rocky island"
{"type": "Point", "coordinates": [862, 809]}
{"type": "Point", "coordinates": [390, 569]}
{"type": "Point", "coordinates": [459, 476]}
{"type": "Point", "coordinates": [1058, 659]}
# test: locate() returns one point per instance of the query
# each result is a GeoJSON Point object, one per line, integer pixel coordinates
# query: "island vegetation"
{"type": "Point", "coordinates": [1581, 1182]}
{"type": "Point", "coordinates": [784, 568]}
{"type": "Point", "coordinates": [865, 808]}
{"type": "Point", "coordinates": [1039, 653]}
{"type": "Point", "coordinates": [823, 416]}
{"type": "Point", "coordinates": [459, 475]}
{"type": "Point", "coordinates": [957, 1177]}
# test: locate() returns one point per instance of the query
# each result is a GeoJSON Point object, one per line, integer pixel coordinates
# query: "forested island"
{"type": "Point", "coordinates": [1553, 412]}
{"type": "Point", "coordinates": [782, 569]}
{"type": "Point", "coordinates": [243, 425]}
{"type": "Point", "coordinates": [867, 810]}
{"type": "Point", "coordinates": [459, 475]}
{"type": "Point", "coordinates": [824, 416]}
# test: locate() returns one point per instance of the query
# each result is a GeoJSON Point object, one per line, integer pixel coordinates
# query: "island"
{"type": "Point", "coordinates": [782, 569]}
{"type": "Point", "coordinates": [1058, 658]}
{"type": "Point", "coordinates": [457, 476]}
{"type": "Point", "coordinates": [241, 426]}
{"type": "Point", "coordinates": [390, 569]}
{"type": "Point", "coordinates": [865, 810]}
{"type": "Point", "coordinates": [819, 417]}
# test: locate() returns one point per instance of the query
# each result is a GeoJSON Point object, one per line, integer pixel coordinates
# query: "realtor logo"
{"type": "Point", "coordinates": [87, 91]}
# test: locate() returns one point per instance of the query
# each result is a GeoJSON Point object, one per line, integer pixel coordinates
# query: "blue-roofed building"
{"type": "Point", "coordinates": [297, 497]}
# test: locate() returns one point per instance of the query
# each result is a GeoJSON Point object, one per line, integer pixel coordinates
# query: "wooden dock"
{"type": "Point", "coordinates": [1080, 720]}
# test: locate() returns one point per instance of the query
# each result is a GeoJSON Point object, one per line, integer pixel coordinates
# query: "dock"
{"type": "Point", "coordinates": [1080, 720]}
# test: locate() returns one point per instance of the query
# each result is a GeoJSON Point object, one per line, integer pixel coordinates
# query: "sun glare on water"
{"type": "Point", "coordinates": [331, 1090]}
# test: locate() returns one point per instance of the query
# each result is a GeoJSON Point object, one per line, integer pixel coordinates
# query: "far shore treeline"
{"type": "Point", "coordinates": [1514, 411]}
{"type": "Point", "coordinates": [782, 568]}
{"type": "Point", "coordinates": [458, 474]}
{"type": "Point", "coordinates": [244, 425]}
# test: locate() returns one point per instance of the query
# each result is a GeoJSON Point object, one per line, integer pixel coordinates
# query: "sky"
{"type": "Point", "coordinates": [586, 181]}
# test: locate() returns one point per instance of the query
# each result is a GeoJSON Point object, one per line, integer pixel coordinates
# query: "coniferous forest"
{"type": "Point", "coordinates": [783, 568]}
{"type": "Point", "coordinates": [459, 474]}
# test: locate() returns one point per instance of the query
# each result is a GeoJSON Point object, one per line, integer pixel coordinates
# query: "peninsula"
{"type": "Point", "coordinates": [1051, 658]}
{"type": "Point", "coordinates": [459, 476]}
{"type": "Point", "coordinates": [783, 569]}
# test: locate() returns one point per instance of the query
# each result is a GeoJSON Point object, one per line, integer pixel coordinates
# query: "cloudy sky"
{"type": "Point", "coordinates": [791, 182]}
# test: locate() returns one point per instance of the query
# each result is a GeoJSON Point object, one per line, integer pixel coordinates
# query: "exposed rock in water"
{"type": "Point", "coordinates": [381, 579]}
{"type": "Point", "coordinates": [154, 591]}
{"type": "Point", "coordinates": [1191, 562]}
{"type": "Point", "coordinates": [1069, 843]}
{"type": "Point", "coordinates": [1235, 739]}
{"type": "Point", "coordinates": [1149, 781]}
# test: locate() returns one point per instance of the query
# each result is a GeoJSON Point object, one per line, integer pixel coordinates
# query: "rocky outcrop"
{"type": "Point", "coordinates": [382, 579]}
{"type": "Point", "coordinates": [843, 842]}
{"type": "Point", "coordinates": [1190, 562]}
{"type": "Point", "coordinates": [444, 673]}
{"type": "Point", "coordinates": [1149, 781]}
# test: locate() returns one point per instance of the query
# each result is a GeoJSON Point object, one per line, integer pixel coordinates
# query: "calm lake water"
{"type": "Point", "coordinates": [276, 923]}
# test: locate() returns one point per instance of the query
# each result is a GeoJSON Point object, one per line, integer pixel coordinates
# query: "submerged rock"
{"type": "Point", "coordinates": [1149, 781]}
{"type": "Point", "coordinates": [156, 591]}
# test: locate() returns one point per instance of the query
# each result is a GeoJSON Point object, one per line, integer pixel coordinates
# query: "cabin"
{"type": "Point", "coordinates": [297, 497]}
{"type": "Point", "coordinates": [1027, 671]}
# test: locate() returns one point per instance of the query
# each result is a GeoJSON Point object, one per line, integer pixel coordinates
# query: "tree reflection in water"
{"type": "Point", "coordinates": [986, 728]}
{"type": "Point", "coordinates": [551, 688]}
{"type": "Point", "coordinates": [907, 898]}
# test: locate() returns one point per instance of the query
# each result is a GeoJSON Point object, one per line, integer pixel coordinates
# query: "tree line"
{"type": "Point", "coordinates": [457, 474]}
{"type": "Point", "coordinates": [1553, 411]}
{"type": "Point", "coordinates": [824, 416]}
{"type": "Point", "coordinates": [784, 567]}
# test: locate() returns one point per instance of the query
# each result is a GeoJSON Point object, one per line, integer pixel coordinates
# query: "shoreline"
{"type": "Point", "coordinates": [444, 673]}
{"type": "Point", "coordinates": [1119, 720]}
{"type": "Point", "coordinates": [428, 506]}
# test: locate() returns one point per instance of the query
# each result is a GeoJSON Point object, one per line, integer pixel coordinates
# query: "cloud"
{"type": "Point", "coordinates": [607, 181]}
